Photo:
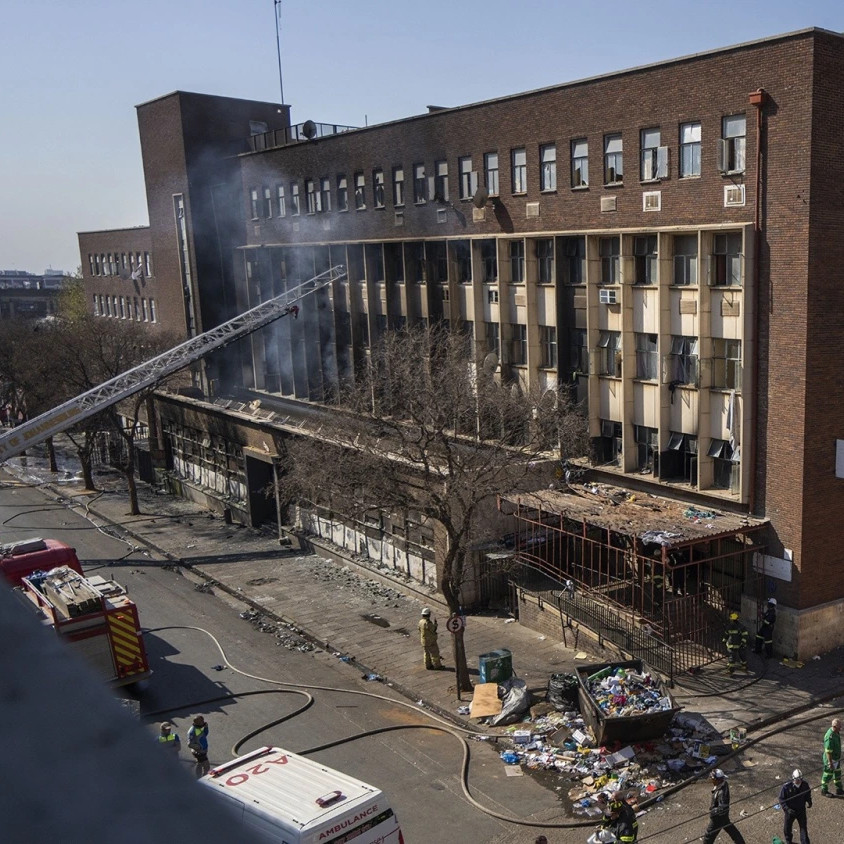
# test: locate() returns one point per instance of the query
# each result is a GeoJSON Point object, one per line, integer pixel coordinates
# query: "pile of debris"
{"type": "Point", "coordinates": [563, 742]}
{"type": "Point", "coordinates": [621, 692]}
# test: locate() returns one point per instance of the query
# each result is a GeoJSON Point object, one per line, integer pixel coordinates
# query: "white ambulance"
{"type": "Point", "coordinates": [293, 800]}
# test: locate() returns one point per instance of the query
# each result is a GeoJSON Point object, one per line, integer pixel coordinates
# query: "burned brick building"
{"type": "Point", "coordinates": [663, 243]}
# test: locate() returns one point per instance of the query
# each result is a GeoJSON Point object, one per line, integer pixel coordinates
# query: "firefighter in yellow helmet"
{"type": "Point", "coordinates": [428, 637]}
{"type": "Point", "coordinates": [735, 638]}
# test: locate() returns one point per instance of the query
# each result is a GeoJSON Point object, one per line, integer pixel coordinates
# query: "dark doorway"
{"type": "Point", "coordinates": [259, 481]}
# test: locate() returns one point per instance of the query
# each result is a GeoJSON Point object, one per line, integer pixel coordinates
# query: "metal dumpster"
{"type": "Point", "coordinates": [628, 729]}
{"type": "Point", "coordinates": [495, 666]}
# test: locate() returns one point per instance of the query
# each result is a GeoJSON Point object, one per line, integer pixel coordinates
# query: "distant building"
{"type": "Point", "coordinates": [25, 295]}
{"type": "Point", "coordinates": [662, 242]}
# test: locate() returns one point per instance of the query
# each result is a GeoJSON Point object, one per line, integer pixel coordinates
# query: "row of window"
{"type": "Point", "coordinates": [682, 363]}
{"type": "Point", "coordinates": [679, 459]}
{"type": "Point", "coordinates": [561, 259]}
{"type": "Point", "coordinates": [125, 307]}
{"type": "Point", "coordinates": [653, 165]}
{"type": "Point", "coordinates": [137, 264]}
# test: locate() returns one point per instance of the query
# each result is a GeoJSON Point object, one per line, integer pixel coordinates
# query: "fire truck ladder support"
{"type": "Point", "coordinates": [152, 371]}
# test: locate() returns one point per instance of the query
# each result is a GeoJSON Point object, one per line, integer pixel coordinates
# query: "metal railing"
{"type": "Point", "coordinates": [306, 131]}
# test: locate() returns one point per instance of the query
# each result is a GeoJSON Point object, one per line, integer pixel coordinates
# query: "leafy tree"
{"type": "Point", "coordinates": [425, 429]}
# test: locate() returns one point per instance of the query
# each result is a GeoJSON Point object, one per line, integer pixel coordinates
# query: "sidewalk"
{"type": "Point", "coordinates": [370, 617]}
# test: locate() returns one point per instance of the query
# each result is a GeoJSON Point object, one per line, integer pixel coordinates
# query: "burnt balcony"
{"type": "Point", "coordinates": [307, 131]}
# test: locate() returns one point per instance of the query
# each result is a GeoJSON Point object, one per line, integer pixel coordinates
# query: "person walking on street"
{"type": "Point", "coordinates": [832, 759]}
{"type": "Point", "coordinates": [765, 635]}
{"type": "Point", "coordinates": [167, 738]}
{"type": "Point", "coordinates": [795, 798]}
{"type": "Point", "coordinates": [735, 638]}
{"type": "Point", "coordinates": [198, 745]}
{"type": "Point", "coordinates": [719, 810]}
{"type": "Point", "coordinates": [428, 637]}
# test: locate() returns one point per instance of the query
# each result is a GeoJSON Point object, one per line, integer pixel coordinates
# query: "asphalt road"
{"type": "Point", "coordinates": [418, 768]}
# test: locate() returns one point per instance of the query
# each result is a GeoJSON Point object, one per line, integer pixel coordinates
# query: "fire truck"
{"type": "Point", "coordinates": [94, 616]}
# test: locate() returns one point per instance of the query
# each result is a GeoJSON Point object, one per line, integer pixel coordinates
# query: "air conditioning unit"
{"type": "Point", "coordinates": [607, 296]}
{"type": "Point", "coordinates": [398, 219]}
{"type": "Point", "coordinates": [442, 215]}
{"type": "Point", "coordinates": [652, 200]}
{"type": "Point", "coordinates": [734, 196]}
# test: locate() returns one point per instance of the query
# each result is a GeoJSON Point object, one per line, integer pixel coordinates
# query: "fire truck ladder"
{"type": "Point", "coordinates": [152, 371]}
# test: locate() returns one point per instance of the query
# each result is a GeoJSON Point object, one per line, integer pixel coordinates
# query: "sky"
{"type": "Point", "coordinates": [72, 72]}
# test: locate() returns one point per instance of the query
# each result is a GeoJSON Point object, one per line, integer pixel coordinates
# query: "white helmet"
{"type": "Point", "coordinates": [426, 612]}
{"type": "Point", "coordinates": [797, 774]}
{"type": "Point", "coordinates": [718, 774]}
{"type": "Point", "coordinates": [772, 601]}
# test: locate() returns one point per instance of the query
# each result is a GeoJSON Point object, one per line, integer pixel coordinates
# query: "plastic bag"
{"type": "Point", "coordinates": [562, 692]}
{"type": "Point", "coordinates": [515, 703]}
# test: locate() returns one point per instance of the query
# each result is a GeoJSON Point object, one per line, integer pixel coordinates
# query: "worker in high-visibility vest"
{"type": "Point", "coordinates": [735, 638]}
{"type": "Point", "coordinates": [167, 738]}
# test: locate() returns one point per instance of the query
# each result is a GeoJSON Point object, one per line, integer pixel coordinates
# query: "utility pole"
{"type": "Point", "coordinates": [277, 10]}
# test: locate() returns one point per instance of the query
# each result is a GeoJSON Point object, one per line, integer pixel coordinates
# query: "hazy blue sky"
{"type": "Point", "coordinates": [71, 73]}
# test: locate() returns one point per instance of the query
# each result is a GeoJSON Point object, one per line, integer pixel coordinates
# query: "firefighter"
{"type": "Point", "coordinates": [198, 745]}
{"type": "Point", "coordinates": [795, 798]}
{"type": "Point", "coordinates": [719, 810]}
{"type": "Point", "coordinates": [832, 759]}
{"type": "Point", "coordinates": [428, 637]}
{"type": "Point", "coordinates": [765, 635]}
{"type": "Point", "coordinates": [167, 738]}
{"type": "Point", "coordinates": [735, 638]}
{"type": "Point", "coordinates": [622, 822]}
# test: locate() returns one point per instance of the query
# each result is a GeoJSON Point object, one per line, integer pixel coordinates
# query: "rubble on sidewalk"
{"type": "Point", "coordinates": [562, 742]}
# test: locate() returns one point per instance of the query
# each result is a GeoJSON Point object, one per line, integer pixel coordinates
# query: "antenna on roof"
{"type": "Point", "coordinates": [277, 5]}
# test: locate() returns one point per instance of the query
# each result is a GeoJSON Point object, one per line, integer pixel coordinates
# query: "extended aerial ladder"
{"type": "Point", "coordinates": [150, 372]}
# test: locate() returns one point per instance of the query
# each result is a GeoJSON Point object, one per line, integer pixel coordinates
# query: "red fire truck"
{"type": "Point", "coordinates": [95, 617]}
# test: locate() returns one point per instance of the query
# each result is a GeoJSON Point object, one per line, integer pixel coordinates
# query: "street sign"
{"type": "Point", "coordinates": [455, 623]}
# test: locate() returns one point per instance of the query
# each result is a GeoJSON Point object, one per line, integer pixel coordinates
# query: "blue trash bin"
{"type": "Point", "coordinates": [495, 666]}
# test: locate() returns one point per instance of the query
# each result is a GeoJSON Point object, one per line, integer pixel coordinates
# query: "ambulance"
{"type": "Point", "coordinates": [288, 799]}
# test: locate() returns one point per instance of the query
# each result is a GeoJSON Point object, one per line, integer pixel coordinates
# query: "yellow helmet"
{"type": "Point", "coordinates": [733, 616]}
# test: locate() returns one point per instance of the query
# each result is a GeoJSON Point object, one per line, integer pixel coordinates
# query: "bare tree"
{"type": "Point", "coordinates": [94, 351]}
{"type": "Point", "coordinates": [425, 429]}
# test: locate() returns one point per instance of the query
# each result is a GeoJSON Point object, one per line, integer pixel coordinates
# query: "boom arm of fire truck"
{"type": "Point", "coordinates": [152, 371]}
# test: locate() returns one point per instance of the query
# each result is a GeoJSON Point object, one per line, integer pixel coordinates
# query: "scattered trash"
{"type": "Point", "coordinates": [218, 667]}
{"type": "Point", "coordinates": [817, 656]}
{"type": "Point", "coordinates": [581, 655]}
{"type": "Point", "coordinates": [791, 663]}
{"type": "Point", "coordinates": [373, 678]}
{"type": "Point", "coordinates": [509, 757]}
{"type": "Point", "coordinates": [463, 710]}
{"type": "Point", "coordinates": [509, 620]}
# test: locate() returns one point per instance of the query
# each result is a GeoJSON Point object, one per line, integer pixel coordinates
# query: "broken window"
{"type": "Point", "coordinates": [609, 354]}
{"type": "Point", "coordinates": [684, 360]}
{"type": "Point", "coordinates": [647, 359]}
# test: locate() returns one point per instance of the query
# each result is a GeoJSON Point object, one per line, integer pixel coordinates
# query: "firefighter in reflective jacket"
{"type": "Point", "coordinates": [622, 821]}
{"type": "Point", "coordinates": [735, 638]}
{"type": "Point", "coordinates": [428, 638]}
{"type": "Point", "coordinates": [765, 636]}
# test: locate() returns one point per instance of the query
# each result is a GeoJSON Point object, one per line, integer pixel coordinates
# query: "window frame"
{"type": "Point", "coordinates": [518, 344]}
{"type": "Point", "coordinates": [685, 360]}
{"type": "Point", "coordinates": [613, 159]}
{"type": "Point", "coordinates": [653, 159]}
{"type": "Point", "coordinates": [464, 170]}
{"type": "Point", "coordinates": [325, 193]}
{"type": "Point", "coordinates": [267, 201]}
{"type": "Point", "coordinates": [548, 347]}
{"type": "Point", "coordinates": [280, 200]}
{"type": "Point", "coordinates": [579, 163]}
{"type": "Point", "coordinates": [690, 164]}
{"type": "Point", "coordinates": [610, 358]}
{"type": "Point", "coordinates": [727, 370]}
{"type": "Point", "coordinates": [647, 356]}
{"type": "Point", "coordinates": [645, 260]}
{"type": "Point", "coordinates": [516, 250]}
{"type": "Point", "coordinates": [544, 252]}
{"type": "Point", "coordinates": [342, 192]}
{"type": "Point", "coordinates": [378, 197]}
{"type": "Point", "coordinates": [398, 186]}
{"type": "Point", "coordinates": [491, 174]}
{"type": "Point", "coordinates": [687, 266]}
{"type": "Point", "coordinates": [254, 202]}
{"type": "Point", "coordinates": [726, 269]}
{"type": "Point", "coordinates": [360, 190]}
{"type": "Point", "coordinates": [295, 200]}
{"type": "Point", "coordinates": [609, 249]}
{"type": "Point", "coordinates": [733, 147]}
{"type": "Point", "coordinates": [548, 168]}
{"type": "Point", "coordinates": [419, 184]}
{"type": "Point", "coordinates": [310, 196]}
{"type": "Point", "coordinates": [518, 170]}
